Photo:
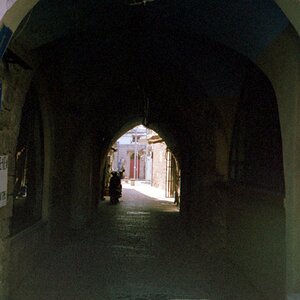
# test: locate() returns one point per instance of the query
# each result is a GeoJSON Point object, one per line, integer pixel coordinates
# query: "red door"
{"type": "Point", "coordinates": [131, 174]}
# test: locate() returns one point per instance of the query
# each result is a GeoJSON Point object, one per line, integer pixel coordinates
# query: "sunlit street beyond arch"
{"type": "Point", "coordinates": [137, 249]}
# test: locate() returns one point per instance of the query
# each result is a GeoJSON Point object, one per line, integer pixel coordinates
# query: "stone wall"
{"type": "Point", "coordinates": [255, 226]}
{"type": "Point", "coordinates": [159, 165]}
{"type": "Point", "coordinates": [27, 250]}
{"type": "Point", "coordinates": [15, 84]}
{"type": "Point", "coordinates": [281, 63]}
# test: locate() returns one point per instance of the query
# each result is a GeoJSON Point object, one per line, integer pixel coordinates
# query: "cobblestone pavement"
{"type": "Point", "coordinates": [136, 250]}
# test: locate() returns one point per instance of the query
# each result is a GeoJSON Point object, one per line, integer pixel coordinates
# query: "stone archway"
{"type": "Point", "coordinates": [281, 63]}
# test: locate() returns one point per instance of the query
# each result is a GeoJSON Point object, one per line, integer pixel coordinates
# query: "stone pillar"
{"type": "Point", "coordinates": [198, 170]}
{"type": "Point", "coordinates": [198, 205]}
{"type": "Point", "coordinates": [7, 145]}
{"type": "Point", "coordinates": [186, 186]}
{"type": "Point", "coordinates": [202, 180]}
{"type": "Point", "coordinates": [281, 63]}
{"type": "Point", "coordinates": [82, 183]}
{"type": "Point", "coordinates": [5, 215]}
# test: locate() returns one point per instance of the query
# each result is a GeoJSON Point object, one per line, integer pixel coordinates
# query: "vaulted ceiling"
{"type": "Point", "coordinates": [208, 42]}
{"type": "Point", "coordinates": [244, 25]}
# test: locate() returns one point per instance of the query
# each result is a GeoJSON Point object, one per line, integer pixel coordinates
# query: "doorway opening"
{"type": "Point", "coordinates": [144, 162]}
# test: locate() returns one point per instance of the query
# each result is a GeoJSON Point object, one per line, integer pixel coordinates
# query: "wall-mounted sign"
{"type": "Point", "coordinates": [3, 179]}
{"type": "Point", "coordinates": [5, 36]}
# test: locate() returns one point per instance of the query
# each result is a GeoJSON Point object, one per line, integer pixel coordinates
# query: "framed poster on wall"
{"type": "Point", "coordinates": [3, 179]}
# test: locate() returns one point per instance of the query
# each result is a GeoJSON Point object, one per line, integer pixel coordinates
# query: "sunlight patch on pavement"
{"type": "Point", "coordinates": [148, 190]}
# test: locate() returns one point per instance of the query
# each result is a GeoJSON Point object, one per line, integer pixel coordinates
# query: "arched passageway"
{"type": "Point", "coordinates": [196, 85]}
{"type": "Point", "coordinates": [201, 136]}
{"type": "Point", "coordinates": [136, 250]}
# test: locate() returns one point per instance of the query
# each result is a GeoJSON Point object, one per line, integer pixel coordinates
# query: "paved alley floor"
{"type": "Point", "coordinates": [135, 250]}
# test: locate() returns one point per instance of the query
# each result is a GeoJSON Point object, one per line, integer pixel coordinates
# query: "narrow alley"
{"type": "Point", "coordinates": [138, 249]}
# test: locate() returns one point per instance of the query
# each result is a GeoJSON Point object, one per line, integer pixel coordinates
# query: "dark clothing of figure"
{"type": "Point", "coordinates": [115, 188]}
{"type": "Point", "coordinates": [114, 182]}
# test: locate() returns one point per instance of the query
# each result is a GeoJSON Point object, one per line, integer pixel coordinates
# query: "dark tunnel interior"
{"type": "Point", "coordinates": [185, 70]}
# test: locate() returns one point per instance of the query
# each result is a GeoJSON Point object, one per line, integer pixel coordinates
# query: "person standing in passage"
{"type": "Point", "coordinates": [114, 188]}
